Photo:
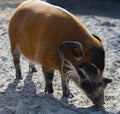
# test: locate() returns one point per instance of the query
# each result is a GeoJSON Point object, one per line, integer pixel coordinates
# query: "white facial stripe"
{"type": "Point", "coordinates": [78, 59]}
{"type": "Point", "coordinates": [72, 71]}
{"type": "Point", "coordinates": [84, 73]}
{"type": "Point", "coordinates": [69, 65]}
{"type": "Point", "coordinates": [98, 71]}
{"type": "Point", "coordinates": [87, 75]}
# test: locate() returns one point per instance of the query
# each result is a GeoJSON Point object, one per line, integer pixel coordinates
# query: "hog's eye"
{"type": "Point", "coordinates": [77, 52]}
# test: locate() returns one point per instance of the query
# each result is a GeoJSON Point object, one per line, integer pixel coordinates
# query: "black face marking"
{"type": "Point", "coordinates": [89, 69]}
{"type": "Point", "coordinates": [87, 86]}
{"type": "Point", "coordinates": [80, 74]}
{"type": "Point", "coordinates": [98, 57]}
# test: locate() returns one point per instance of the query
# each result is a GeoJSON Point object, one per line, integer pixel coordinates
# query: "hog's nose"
{"type": "Point", "coordinates": [98, 102]}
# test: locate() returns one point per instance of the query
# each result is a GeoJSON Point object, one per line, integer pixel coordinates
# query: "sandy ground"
{"type": "Point", "coordinates": [27, 96]}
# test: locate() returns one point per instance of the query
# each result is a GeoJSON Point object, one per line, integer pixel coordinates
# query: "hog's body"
{"type": "Point", "coordinates": [38, 29]}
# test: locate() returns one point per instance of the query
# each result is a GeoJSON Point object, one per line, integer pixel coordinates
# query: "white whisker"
{"type": "Point", "coordinates": [69, 73]}
{"type": "Point", "coordinates": [69, 65]}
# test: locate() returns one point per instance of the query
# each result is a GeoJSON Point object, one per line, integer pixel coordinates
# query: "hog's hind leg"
{"type": "Point", "coordinates": [16, 59]}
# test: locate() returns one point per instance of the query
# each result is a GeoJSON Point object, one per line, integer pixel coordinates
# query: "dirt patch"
{"type": "Point", "coordinates": [27, 96]}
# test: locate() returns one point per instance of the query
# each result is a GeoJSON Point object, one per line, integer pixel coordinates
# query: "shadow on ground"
{"type": "Point", "coordinates": [27, 101]}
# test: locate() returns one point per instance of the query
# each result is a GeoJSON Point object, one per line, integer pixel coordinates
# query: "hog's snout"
{"type": "Point", "coordinates": [98, 101]}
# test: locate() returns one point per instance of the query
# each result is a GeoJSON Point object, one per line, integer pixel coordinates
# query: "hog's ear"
{"type": "Point", "coordinates": [75, 47]}
{"type": "Point", "coordinates": [106, 80]}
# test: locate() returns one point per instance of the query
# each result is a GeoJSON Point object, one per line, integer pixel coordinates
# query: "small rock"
{"type": "Point", "coordinates": [108, 24]}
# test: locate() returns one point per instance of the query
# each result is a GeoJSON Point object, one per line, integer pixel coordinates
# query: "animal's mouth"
{"type": "Point", "coordinates": [98, 103]}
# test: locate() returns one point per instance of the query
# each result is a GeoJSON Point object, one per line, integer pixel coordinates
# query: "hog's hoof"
{"type": "Point", "coordinates": [98, 106]}
{"type": "Point", "coordinates": [48, 90]}
{"type": "Point", "coordinates": [68, 95]}
{"type": "Point", "coordinates": [32, 70]}
{"type": "Point", "coordinates": [19, 78]}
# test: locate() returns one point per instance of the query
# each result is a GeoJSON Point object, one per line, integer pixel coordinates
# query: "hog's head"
{"type": "Point", "coordinates": [88, 75]}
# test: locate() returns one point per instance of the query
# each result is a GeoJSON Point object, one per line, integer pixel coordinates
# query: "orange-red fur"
{"type": "Point", "coordinates": [38, 29]}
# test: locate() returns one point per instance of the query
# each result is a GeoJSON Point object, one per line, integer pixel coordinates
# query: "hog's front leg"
{"type": "Point", "coordinates": [65, 88]}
